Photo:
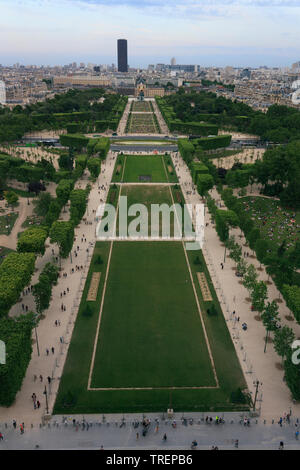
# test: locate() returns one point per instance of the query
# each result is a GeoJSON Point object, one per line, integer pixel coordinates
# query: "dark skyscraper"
{"type": "Point", "coordinates": [122, 55]}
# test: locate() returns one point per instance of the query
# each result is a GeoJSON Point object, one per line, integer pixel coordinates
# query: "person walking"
{"type": "Point", "coordinates": [165, 437]}
{"type": "Point", "coordinates": [14, 424]}
{"type": "Point", "coordinates": [52, 349]}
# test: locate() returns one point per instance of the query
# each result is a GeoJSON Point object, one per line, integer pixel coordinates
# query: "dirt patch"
{"type": "Point", "coordinates": [92, 293]}
{"type": "Point", "coordinates": [289, 318]}
{"type": "Point", "coordinates": [204, 287]}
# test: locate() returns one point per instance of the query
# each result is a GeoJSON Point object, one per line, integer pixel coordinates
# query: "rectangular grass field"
{"type": "Point", "coordinates": [150, 331]}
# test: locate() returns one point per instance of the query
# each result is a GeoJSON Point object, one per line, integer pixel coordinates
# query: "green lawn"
{"type": "Point", "coordinates": [7, 222]}
{"type": "Point", "coordinates": [148, 195]}
{"type": "Point", "coordinates": [151, 334]}
{"type": "Point", "coordinates": [268, 215]}
{"type": "Point", "coordinates": [156, 168]}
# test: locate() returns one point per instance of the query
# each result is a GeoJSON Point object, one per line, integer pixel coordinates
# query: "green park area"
{"type": "Point", "coordinates": [144, 169]}
{"type": "Point", "coordinates": [275, 223]}
{"type": "Point", "coordinates": [160, 342]}
{"type": "Point", "coordinates": [7, 222]}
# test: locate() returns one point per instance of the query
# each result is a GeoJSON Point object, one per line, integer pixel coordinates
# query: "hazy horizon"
{"type": "Point", "coordinates": [207, 33]}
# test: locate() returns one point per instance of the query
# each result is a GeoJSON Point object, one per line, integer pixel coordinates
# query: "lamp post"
{"type": "Point", "coordinates": [36, 316]}
{"type": "Point", "coordinates": [46, 395]}
{"type": "Point", "coordinates": [266, 340]}
{"type": "Point", "coordinates": [256, 383]}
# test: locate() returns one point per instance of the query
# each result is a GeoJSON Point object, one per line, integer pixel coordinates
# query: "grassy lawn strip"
{"type": "Point", "coordinates": [7, 222]}
{"type": "Point", "coordinates": [149, 195]}
{"type": "Point", "coordinates": [227, 364]}
{"type": "Point", "coordinates": [141, 165]}
{"type": "Point", "coordinates": [150, 336]}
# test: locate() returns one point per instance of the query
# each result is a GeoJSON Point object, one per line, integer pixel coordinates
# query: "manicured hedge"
{"type": "Point", "coordinates": [76, 141]}
{"type": "Point", "coordinates": [186, 149]}
{"type": "Point", "coordinates": [16, 334]}
{"type": "Point", "coordinates": [197, 128]}
{"type": "Point", "coordinates": [32, 240]}
{"type": "Point", "coordinates": [210, 143]}
{"type": "Point", "coordinates": [15, 273]}
{"type": "Point", "coordinates": [198, 168]}
{"type": "Point", "coordinates": [94, 166]}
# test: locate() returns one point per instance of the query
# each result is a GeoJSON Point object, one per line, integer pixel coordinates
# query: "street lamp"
{"type": "Point", "coordinates": [46, 395]}
{"type": "Point", "coordinates": [36, 317]}
{"type": "Point", "coordinates": [256, 383]}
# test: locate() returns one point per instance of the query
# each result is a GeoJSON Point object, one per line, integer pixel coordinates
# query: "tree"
{"type": "Point", "coordinates": [261, 249]}
{"type": "Point", "coordinates": [36, 187]}
{"type": "Point", "coordinates": [43, 289]}
{"type": "Point", "coordinates": [204, 183]}
{"type": "Point", "coordinates": [252, 237]}
{"type": "Point", "coordinates": [259, 295]}
{"type": "Point", "coordinates": [236, 253]}
{"type": "Point", "coordinates": [65, 162]}
{"type": "Point", "coordinates": [78, 199]}
{"type": "Point", "coordinates": [11, 198]}
{"type": "Point", "coordinates": [292, 298]}
{"type": "Point", "coordinates": [62, 233]}
{"type": "Point", "coordinates": [270, 318]}
{"type": "Point", "coordinates": [63, 190]}
{"type": "Point", "coordinates": [292, 375]}
{"type": "Point", "coordinates": [282, 341]}
{"type": "Point", "coordinates": [15, 273]}
{"type": "Point", "coordinates": [17, 336]}
{"type": "Point", "coordinates": [242, 267]}
{"type": "Point", "coordinates": [224, 220]}
{"type": "Point", "coordinates": [42, 293]}
{"type": "Point", "coordinates": [43, 203]}
{"type": "Point", "coordinates": [32, 240]}
{"type": "Point", "coordinates": [94, 166]}
{"type": "Point", "coordinates": [270, 315]}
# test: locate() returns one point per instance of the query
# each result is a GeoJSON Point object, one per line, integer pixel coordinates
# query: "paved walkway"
{"type": "Point", "coordinates": [93, 431]}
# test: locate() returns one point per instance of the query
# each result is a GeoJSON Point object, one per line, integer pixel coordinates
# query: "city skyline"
{"type": "Point", "coordinates": [211, 33]}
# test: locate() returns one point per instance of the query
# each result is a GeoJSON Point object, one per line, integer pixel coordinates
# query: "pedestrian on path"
{"type": "Point", "coordinates": [52, 349]}
{"type": "Point", "coordinates": [14, 424]}
{"type": "Point", "coordinates": [47, 352]}
{"type": "Point", "coordinates": [49, 380]}
{"type": "Point", "coordinates": [41, 378]}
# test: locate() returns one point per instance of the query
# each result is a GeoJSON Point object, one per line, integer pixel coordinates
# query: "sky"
{"type": "Point", "coordinates": [204, 32]}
